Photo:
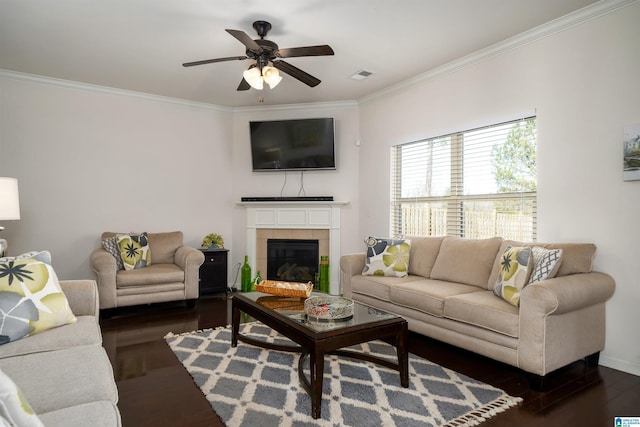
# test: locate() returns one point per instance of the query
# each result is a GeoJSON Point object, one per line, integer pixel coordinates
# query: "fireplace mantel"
{"type": "Point", "coordinates": [297, 215]}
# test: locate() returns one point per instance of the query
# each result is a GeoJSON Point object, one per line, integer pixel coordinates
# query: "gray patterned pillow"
{"type": "Point", "coordinates": [43, 256]}
{"type": "Point", "coordinates": [546, 263]}
{"type": "Point", "coordinates": [111, 245]}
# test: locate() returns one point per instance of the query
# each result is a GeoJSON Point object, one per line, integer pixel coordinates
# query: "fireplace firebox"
{"type": "Point", "coordinates": [292, 260]}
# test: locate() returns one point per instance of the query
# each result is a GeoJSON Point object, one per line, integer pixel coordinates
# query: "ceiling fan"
{"type": "Point", "coordinates": [265, 52]}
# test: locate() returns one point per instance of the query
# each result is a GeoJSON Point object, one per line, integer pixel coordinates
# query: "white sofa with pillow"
{"type": "Point", "coordinates": [53, 368]}
{"type": "Point", "coordinates": [490, 296]}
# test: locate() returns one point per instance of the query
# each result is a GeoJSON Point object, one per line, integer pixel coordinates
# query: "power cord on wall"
{"type": "Point", "coordinates": [233, 288]}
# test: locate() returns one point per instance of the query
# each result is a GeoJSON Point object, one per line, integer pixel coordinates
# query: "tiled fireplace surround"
{"type": "Point", "coordinates": [294, 220]}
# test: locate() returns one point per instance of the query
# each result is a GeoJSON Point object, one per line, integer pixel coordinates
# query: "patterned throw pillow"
{"type": "Point", "coordinates": [44, 256]}
{"type": "Point", "coordinates": [546, 263]}
{"type": "Point", "coordinates": [14, 408]}
{"type": "Point", "coordinates": [134, 250]}
{"type": "Point", "coordinates": [110, 245]}
{"type": "Point", "coordinates": [31, 299]}
{"type": "Point", "coordinates": [515, 267]}
{"type": "Point", "coordinates": [387, 257]}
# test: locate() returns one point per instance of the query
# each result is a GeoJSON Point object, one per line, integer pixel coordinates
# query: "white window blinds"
{"type": "Point", "coordinates": [478, 183]}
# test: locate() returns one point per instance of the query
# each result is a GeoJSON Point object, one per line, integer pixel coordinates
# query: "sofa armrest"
{"type": "Point", "coordinates": [189, 260]}
{"type": "Point", "coordinates": [562, 320]}
{"type": "Point", "coordinates": [350, 265]}
{"type": "Point", "coordinates": [104, 265]}
{"type": "Point", "coordinates": [82, 296]}
{"type": "Point", "coordinates": [567, 293]}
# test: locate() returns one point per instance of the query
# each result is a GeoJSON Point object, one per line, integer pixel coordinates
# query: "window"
{"type": "Point", "coordinates": [476, 184]}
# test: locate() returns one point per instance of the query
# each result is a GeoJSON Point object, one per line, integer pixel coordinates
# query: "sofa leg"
{"type": "Point", "coordinates": [191, 303]}
{"type": "Point", "coordinates": [593, 360]}
{"type": "Point", "coordinates": [537, 382]}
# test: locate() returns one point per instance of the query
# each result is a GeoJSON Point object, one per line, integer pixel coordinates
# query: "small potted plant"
{"type": "Point", "coordinates": [213, 240]}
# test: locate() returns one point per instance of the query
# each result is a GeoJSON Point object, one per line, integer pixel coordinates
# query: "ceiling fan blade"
{"type": "Point", "coordinates": [297, 73]}
{"type": "Point", "coordinates": [245, 40]}
{"type": "Point", "coordinates": [244, 85]}
{"type": "Point", "coordinates": [211, 61]}
{"type": "Point", "coordinates": [320, 50]}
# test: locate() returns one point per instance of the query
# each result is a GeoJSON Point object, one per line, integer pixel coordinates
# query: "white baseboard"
{"type": "Point", "coordinates": [619, 364]}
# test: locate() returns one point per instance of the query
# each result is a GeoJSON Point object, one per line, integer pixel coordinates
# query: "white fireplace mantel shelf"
{"type": "Point", "coordinates": [292, 203]}
{"type": "Point", "coordinates": [297, 215]}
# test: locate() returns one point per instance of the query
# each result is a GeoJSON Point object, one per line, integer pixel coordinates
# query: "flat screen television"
{"type": "Point", "coordinates": [285, 145]}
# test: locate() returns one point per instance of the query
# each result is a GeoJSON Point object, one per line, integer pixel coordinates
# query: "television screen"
{"type": "Point", "coordinates": [301, 144]}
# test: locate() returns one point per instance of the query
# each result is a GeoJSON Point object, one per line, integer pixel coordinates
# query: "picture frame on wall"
{"type": "Point", "coordinates": [631, 156]}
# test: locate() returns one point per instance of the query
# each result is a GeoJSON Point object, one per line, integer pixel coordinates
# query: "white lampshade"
{"type": "Point", "coordinates": [9, 200]}
{"type": "Point", "coordinates": [271, 76]}
{"type": "Point", "coordinates": [253, 77]}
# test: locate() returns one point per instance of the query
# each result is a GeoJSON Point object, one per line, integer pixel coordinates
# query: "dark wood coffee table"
{"type": "Point", "coordinates": [315, 339]}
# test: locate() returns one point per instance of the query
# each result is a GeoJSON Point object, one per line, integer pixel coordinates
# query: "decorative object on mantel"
{"type": "Point", "coordinates": [246, 383]}
{"type": "Point", "coordinates": [631, 159]}
{"type": "Point", "coordinates": [212, 241]}
{"type": "Point", "coordinates": [9, 206]}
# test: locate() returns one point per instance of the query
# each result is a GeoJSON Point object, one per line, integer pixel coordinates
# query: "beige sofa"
{"type": "Point", "coordinates": [448, 295]}
{"type": "Point", "coordinates": [171, 276]}
{"type": "Point", "coordinates": [64, 373]}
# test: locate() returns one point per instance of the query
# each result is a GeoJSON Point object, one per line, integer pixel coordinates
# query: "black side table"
{"type": "Point", "coordinates": [213, 272]}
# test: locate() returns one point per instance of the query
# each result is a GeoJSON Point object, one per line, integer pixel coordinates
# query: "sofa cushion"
{"type": "Point", "coordinates": [164, 246]}
{"type": "Point", "coordinates": [387, 257]}
{"type": "Point", "coordinates": [31, 299]}
{"type": "Point", "coordinates": [83, 332]}
{"type": "Point", "coordinates": [484, 310]}
{"type": "Point", "coordinates": [153, 275]}
{"type": "Point", "coordinates": [101, 413]}
{"type": "Point", "coordinates": [467, 261]}
{"type": "Point", "coordinates": [546, 263]}
{"type": "Point", "coordinates": [378, 286]}
{"type": "Point", "coordinates": [576, 257]}
{"type": "Point", "coordinates": [427, 295]}
{"type": "Point", "coordinates": [424, 251]}
{"type": "Point", "coordinates": [516, 264]}
{"type": "Point", "coordinates": [134, 250]}
{"type": "Point", "coordinates": [39, 375]}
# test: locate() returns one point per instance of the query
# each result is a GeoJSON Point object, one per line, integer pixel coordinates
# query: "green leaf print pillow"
{"type": "Point", "coordinates": [31, 299]}
{"type": "Point", "coordinates": [387, 257]}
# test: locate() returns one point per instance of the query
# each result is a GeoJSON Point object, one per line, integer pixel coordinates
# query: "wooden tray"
{"type": "Point", "coordinates": [285, 289]}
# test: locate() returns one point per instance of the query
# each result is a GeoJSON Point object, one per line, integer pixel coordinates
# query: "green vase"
{"type": "Point", "coordinates": [245, 276]}
{"type": "Point", "coordinates": [324, 274]}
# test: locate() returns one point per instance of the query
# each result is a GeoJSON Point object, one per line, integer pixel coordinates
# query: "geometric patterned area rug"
{"type": "Point", "coordinates": [252, 386]}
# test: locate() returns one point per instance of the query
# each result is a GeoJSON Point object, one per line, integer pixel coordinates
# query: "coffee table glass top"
{"type": "Point", "coordinates": [293, 308]}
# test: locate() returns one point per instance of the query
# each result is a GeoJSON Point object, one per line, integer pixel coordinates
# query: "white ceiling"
{"type": "Point", "coordinates": [139, 45]}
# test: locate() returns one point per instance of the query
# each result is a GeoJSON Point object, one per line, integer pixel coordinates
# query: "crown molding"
{"type": "Point", "coordinates": [540, 32]}
{"type": "Point", "coordinates": [50, 81]}
{"type": "Point", "coordinates": [308, 106]}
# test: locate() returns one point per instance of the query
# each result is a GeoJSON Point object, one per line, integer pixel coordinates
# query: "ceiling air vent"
{"type": "Point", "coordinates": [361, 75]}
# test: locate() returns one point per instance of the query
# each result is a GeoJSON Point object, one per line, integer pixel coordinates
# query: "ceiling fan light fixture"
{"type": "Point", "coordinates": [272, 76]}
{"type": "Point", "coordinates": [253, 77]}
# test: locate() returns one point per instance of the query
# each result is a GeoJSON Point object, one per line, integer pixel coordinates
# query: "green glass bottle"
{"type": "Point", "coordinates": [324, 274]}
{"type": "Point", "coordinates": [245, 276]}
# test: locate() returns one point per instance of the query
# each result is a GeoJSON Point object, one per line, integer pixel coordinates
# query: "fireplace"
{"type": "Point", "coordinates": [292, 260]}
{"type": "Point", "coordinates": [294, 220]}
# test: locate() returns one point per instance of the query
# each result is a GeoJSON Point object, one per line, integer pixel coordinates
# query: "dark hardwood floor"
{"type": "Point", "coordinates": [155, 389]}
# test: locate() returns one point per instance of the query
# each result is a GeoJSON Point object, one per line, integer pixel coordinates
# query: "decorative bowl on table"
{"type": "Point", "coordinates": [328, 308]}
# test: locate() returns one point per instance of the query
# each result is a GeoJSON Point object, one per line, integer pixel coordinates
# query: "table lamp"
{"type": "Point", "coordinates": [9, 206]}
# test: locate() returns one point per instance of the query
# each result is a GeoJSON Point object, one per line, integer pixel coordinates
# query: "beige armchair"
{"type": "Point", "coordinates": [171, 276]}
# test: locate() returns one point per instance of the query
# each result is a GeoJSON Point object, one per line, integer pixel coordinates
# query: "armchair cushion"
{"type": "Point", "coordinates": [153, 275]}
